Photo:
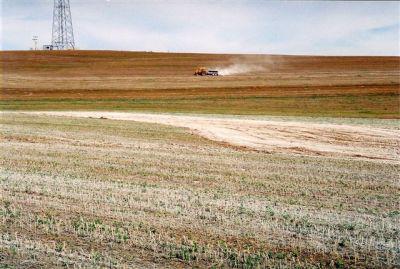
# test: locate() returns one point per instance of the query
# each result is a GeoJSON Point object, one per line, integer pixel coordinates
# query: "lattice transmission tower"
{"type": "Point", "coordinates": [63, 33]}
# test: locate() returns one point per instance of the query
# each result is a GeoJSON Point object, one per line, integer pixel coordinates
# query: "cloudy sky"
{"type": "Point", "coordinates": [225, 26]}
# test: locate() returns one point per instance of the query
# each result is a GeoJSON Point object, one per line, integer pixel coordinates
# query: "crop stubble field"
{"type": "Point", "coordinates": [104, 192]}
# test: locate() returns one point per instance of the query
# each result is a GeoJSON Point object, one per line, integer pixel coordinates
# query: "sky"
{"type": "Point", "coordinates": [224, 26]}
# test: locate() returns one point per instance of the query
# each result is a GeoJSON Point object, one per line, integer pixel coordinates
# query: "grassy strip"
{"type": "Point", "coordinates": [369, 106]}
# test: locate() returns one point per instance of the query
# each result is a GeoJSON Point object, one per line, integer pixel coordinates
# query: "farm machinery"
{"type": "Point", "coordinates": [202, 71]}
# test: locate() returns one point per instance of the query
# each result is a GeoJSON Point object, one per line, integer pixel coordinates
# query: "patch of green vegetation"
{"type": "Point", "coordinates": [393, 213]}
{"type": "Point", "coordinates": [376, 106]}
{"type": "Point", "coordinates": [8, 212]}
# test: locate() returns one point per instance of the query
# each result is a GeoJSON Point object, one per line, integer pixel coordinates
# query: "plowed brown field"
{"type": "Point", "coordinates": [145, 81]}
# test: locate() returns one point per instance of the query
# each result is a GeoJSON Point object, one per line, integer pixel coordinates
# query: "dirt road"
{"type": "Point", "coordinates": [275, 136]}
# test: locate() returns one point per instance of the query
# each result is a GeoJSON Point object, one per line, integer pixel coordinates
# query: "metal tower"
{"type": "Point", "coordinates": [63, 34]}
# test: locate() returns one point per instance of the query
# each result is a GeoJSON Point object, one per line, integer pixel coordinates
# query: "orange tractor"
{"type": "Point", "coordinates": [202, 71]}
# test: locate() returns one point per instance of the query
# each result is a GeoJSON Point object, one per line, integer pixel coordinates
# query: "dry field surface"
{"type": "Point", "coordinates": [164, 82]}
{"type": "Point", "coordinates": [126, 160]}
{"type": "Point", "coordinates": [276, 136]}
{"type": "Point", "coordinates": [123, 194]}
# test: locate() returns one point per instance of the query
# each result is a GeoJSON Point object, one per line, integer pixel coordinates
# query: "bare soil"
{"type": "Point", "coordinates": [275, 136]}
{"type": "Point", "coordinates": [164, 82]}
